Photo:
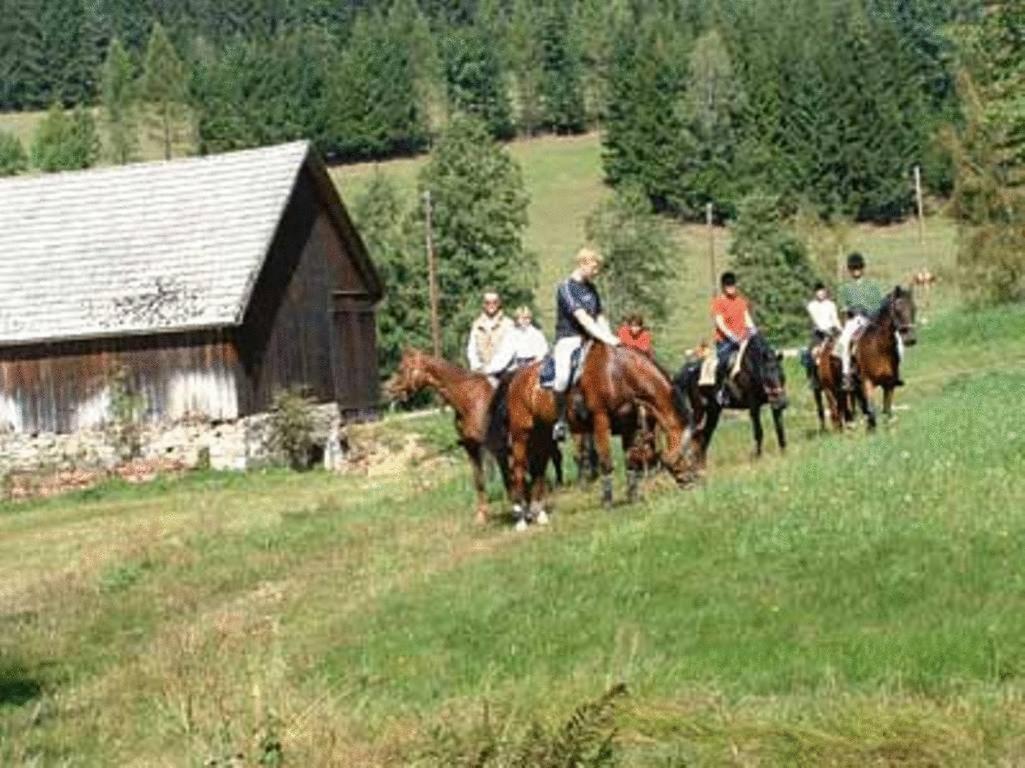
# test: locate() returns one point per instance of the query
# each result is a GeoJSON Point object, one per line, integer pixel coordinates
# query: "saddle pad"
{"type": "Point", "coordinates": [708, 365]}
{"type": "Point", "coordinates": [576, 360]}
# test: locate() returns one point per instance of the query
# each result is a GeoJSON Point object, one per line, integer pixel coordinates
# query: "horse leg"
{"type": "Point", "coordinates": [866, 391]}
{"type": "Point", "coordinates": [519, 453]}
{"type": "Point", "coordinates": [538, 479]}
{"type": "Point", "coordinates": [888, 402]}
{"type": "Point", "coordinates": [633, 450]}
{"type": "Point", "coordinates": [756, 426]}
{"type": "Point", "coordinates": [817, 392]}
{"type": "Point", "coordinates": [711, 422]}
{"type": "Point", "coordinates": [777, 422]}
{"type": "Point", "coordinates": [476, 461]}
{"type": "Point", "coordinates": [602, 435]}
{"type": "Point", "coordinates": [557, 463]}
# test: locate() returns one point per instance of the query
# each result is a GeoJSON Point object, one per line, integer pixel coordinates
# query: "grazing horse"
{"type": "Point", "coordinates": [470, 396]}
{"type": "Point", "coordinates": [610, 378]}
{"type": "Point", "coordinates": [636, 429]}
{"type": "Point", "coordinates": [760, 381]}
{"type": "Point", "coordinates": [876, 360]}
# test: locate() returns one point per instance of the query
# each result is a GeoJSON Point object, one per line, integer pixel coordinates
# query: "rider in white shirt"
{"type": "Point", "coordinates": [522, 344]}
{"type": "Point", "coordinates": [824, 318]}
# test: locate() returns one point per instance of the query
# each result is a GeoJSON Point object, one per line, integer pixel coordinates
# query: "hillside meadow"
{"type": "Point", "coordinates": [854, 602]}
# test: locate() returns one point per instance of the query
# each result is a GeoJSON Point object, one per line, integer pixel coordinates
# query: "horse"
{"type": "Point", "coordinates": [470, 395]}
{"type": "Point", "coordinates": [826, 376]}
{"type": "Point", "coordinates": [760, 381]}
{"type": "Point", "coordinates": [610, 378]}
{"type": "Point", "coordinates": [635, 427]}
{"type": "Point", "coordinates": [876, 359]}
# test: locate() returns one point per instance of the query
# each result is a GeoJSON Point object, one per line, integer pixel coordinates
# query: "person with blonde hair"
{"type": "Point", "coordinates": [522, 345]}
{"type": "Point", "coordinates": [578, 315]}
{"type": "Point", "coordinates": [487, 332]}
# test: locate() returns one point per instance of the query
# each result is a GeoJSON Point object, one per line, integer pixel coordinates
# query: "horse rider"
{"type": "Point", "coordinates": [861, 299]}
{"type": "Point", "coordinates": [733, 324]}
{"type": "Point", "coordinates": [487, 332]}
{"type": "Point", "coordinates": [825, 322]}
{"type": "Point", "coordinates": [633, 334]}
{"type": "Point", "coordinates": [578, 314]}
{"type": "Point", "coordinates": [522, 345]}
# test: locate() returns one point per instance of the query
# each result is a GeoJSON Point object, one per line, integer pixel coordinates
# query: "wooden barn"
{"type": "Point", "coordinates": [214, 282]}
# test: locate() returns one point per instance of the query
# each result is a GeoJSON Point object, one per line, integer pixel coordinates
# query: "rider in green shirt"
{"type": "Point", "coordinates": [860, 299]}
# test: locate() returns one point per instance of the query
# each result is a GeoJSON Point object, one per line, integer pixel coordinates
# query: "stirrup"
{"type": "Point", "coordinates": [559, 431]}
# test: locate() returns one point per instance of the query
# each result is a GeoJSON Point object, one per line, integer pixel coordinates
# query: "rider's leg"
{"type": "Point", "coordinates": [723, 350]}
{"type": "Point", "coordinates": [843, 345]}
{"type": "Point", "coordinates": [898, 382]}
{"type": "Point", "coordinates": [563, 354]}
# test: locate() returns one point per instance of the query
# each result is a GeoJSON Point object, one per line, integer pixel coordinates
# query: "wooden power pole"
{"type": "Point", "coordinates": [432, 277]}
{"type": "Point", "coordinates": [711, 247]}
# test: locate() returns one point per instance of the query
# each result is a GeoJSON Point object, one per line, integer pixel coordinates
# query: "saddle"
{"type": "Point", "coordinates": [576, 366]}
{"type": "Point", "coordinates": [710, 365]}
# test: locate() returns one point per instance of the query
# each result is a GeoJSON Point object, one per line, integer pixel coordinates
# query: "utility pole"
{"type": "Point", "coordinates": [432, 277]}
{"type": "Point", "coordinates": [711, 247]}
{"type": "Point", "coordinates": [921, 215]}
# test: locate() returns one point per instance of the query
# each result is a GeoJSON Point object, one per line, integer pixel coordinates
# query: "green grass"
{"type": "Point", "coordinates": [855, 602]}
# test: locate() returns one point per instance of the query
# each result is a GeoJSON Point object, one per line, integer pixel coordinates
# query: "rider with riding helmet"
{"type": "Point", "coordinates": [861, 299]}
{"type": "Point", "coordinates": [578, 315]}
{"type": "Point", "coordinates": [733, 324]}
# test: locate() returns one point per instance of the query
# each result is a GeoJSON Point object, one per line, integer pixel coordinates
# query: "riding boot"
{"type": "Point", "coordinates": [559, 428]}
{"type": "Point", "coordinates": [848, 383]}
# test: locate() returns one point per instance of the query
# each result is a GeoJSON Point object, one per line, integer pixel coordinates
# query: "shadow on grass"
{"type": "Point", "coordinates": [17, 685]}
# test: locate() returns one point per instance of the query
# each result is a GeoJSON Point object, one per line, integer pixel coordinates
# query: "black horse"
{"type": "Point", "coordinates": [760, 381]}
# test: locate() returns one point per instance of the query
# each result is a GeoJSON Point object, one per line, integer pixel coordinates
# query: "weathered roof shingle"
{"type": "Point", "coordinates": [139, 248]}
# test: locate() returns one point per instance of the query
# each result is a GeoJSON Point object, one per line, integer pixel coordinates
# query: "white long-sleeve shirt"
{"type": "Point", "coordinates": [823, 315]}
{"type": "Point", "coordinates": [519, 345]}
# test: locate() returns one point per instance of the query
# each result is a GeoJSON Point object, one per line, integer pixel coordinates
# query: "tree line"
{"type": "Point", "coordinates": [827, 103]}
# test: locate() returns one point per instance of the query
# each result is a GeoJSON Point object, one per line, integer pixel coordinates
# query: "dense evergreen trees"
{"type": "Point", "coordinates": [828, 103]}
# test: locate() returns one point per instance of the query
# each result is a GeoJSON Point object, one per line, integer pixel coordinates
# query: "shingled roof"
{"type": "Point", "coordinates": [143, 248]}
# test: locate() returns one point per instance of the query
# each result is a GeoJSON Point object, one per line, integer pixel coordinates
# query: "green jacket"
{"type": "Point", "coordinates": [862, 297]}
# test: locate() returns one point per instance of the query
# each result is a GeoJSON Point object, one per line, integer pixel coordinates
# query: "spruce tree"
{"type": "Point", "coordinates": [63, 143]}
{"type": "Point", "coordinates": [523, 51]}
{"type": "Point", "coordinates": [12, 155]}
{"type": "Point", "coordinates": [476, 81]}
{"type": "Point", "coordinates": [119, 100]}
{"type": "Point", "coordinates": [561, 91]}
{"type": "Point", "coordinates": [479, 215]}
{"type": "Point", "coordinates": [165, 90]}
{"type": "Point", "coordinates": [403, 315]}
{"type": "Point", "coordinates": [639, 253]}
{"type": "Point", "coordinates": [773, 267]}
{"type": "Point", "coordinates": [989, 151]}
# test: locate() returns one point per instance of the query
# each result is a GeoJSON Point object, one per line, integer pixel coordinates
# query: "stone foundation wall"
{"type": "Point", "coordinates": [239, 444]}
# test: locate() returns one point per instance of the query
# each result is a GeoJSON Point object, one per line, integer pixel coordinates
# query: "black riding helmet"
{"type": "Point", "coordinates": [855, 261]}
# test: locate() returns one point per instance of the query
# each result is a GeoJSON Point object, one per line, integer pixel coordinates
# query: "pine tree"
{"type": "Point", "coordinates": [411, 30]}
{"type": "Point", "coordinates": [638, 251]}
{"type": "Point", "coordinates": [561, 92]}
{"type": "Point", "coordinates": [773, 266]}
{"type": "Point", "coordinates": [165, 90]}
{"type": "Point", "coordinates": [989, 152]}
{"type": "Point", "coordinates": [479, 215]}
{"type": "Point", "coordinates": [120, 104]}
{"type": "Point", "coordinates": [403, 317]}
{"type": "Point", "coordinates": [476, 82]}
{"type": "Point", "coordinates": [523, 51]}
{"type": "Point", "coordinates": [23, 79]}
{"type": "Point", "coordinates": [63, 143]}
{"type": "Point", "coordinates": [12, 155]}
{"type": "Point", "coordinates": [643, 141]}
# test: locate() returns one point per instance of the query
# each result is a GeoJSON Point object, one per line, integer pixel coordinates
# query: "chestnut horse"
{"type": "Point", "coordinates": [875, 362]}
{"type": "Point", "coordinates": [470, 396]}
{"type": "Point", "coordinates": [610, 378]}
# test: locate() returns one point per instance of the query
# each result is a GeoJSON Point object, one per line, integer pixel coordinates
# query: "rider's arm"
{"type": "Point", "coordinates": [472, 355]}
{"type": "Point", "coordinates": [749, 324]}
{"type": "Point", "coordinates": [720, 323]}
{"type": "Point", "coordinates": [595, 329]}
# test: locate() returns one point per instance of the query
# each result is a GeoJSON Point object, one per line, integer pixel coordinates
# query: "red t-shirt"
{"type": "Point", "coordinates": [642, 341]}
{"type": "Point", "coordinates": [732, 311]}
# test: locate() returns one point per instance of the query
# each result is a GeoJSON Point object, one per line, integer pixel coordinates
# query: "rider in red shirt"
{"type": "Point", "coordinates": [633, 334]}
{"type": "Point", "coordinates": [733, 324]}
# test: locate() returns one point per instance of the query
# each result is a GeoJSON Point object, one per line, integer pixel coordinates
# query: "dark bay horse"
{"type": "Point", "coordinates": [760, 381]}
{"type": "Point", "coordinates": [827, 378]}
{"type": "Point", "coordinates": [470, 396]}
{"type": "Point", "coordinates": [636, 429]}
{"type": "Point", "coordinates": [875, 361]}
{"type": "Point", "coordinates": [611, 377]}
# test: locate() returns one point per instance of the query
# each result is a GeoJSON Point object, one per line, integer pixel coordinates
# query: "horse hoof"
{"type": "Point", "coordinates": [542, 518]}
{"type": "Point", "coordinates": [521, 525]}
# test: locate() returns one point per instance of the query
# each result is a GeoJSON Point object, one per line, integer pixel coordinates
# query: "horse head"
{"type": "Point", "coordinates": [901, 304]}
{"type": "Point", "coordinates": [410, 377]}
{"type": "Point", "coordinates": [768, 368]}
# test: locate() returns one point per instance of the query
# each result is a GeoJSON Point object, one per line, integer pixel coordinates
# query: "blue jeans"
{"type": "Point", "coordinates": [723, 350]}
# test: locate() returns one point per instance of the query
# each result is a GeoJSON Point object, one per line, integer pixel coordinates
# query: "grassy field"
{"type": "Point", "coordinates": [856, 602]}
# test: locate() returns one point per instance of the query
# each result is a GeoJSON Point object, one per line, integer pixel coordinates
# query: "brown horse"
{"type": "Point", "coordinates": [827, 378]}
{"type": "Point", "coordinates": [875, 361]}
{"type": "Point", "coordinates": [610, 378]}
{"type": "Point", "coordinates": [636, 430]}
{"type": "Point", "coordinates": [470, 395]}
